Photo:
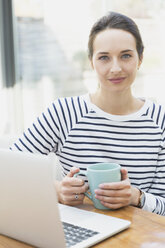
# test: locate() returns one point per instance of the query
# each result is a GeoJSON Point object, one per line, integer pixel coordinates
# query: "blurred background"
{"type": "Point", "coordinates": [43, 53]}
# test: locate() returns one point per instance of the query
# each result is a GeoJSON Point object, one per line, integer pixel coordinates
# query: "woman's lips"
{"type": "Point", "coordinates": [117, 80]}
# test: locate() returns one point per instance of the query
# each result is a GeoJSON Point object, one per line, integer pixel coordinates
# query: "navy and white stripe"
{"type": "Point", "coordinates": [81, 134]}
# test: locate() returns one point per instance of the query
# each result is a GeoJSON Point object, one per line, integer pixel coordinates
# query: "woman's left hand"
{"type": "Point", "coordinates": [118, 194]}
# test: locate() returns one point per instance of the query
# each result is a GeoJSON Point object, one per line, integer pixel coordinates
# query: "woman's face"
{"type": "Point", "coordinates": [115, 59]}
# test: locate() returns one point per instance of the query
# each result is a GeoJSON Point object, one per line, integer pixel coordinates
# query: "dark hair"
{"type": "Point", "coordinates": [117, 21]}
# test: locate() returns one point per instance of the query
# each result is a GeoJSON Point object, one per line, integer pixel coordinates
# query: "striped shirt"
{"type": "Point", "coordinates": [81, 134]}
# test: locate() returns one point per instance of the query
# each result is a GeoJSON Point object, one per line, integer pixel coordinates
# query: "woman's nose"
{"type": "Point", "coordinates": [115, 67]}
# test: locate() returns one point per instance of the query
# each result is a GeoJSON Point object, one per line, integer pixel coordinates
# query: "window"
{"type": "Point", "coordinates": [51, 53]}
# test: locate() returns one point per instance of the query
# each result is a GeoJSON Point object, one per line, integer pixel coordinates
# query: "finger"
{"type": "Point", "coordinates": [124, 174]}
{"type": "Point", "coordinates": [80, 190]}
{"type": "Point", "coordinates": [113, 200]}
{"type": "Point", "coordinates": [116, 185]}
{"type": "Point", "coordinates": [73, 171]}
{"type": "Point", "coordinates": [73, 190]}
{"type": "Point", "coordinates": [72, 181]}
{"type": "Point", "coordinates": [73, 197]}
{"type": "Point", "coordinates": [112, 186]}
{"type": "Point", "coordinates": [71, 200]}
{"type": "Point", "coordinates": [112, 193]}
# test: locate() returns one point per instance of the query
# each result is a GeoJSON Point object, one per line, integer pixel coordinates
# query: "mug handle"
{"type": "Point", "coordinates": [84, 173]}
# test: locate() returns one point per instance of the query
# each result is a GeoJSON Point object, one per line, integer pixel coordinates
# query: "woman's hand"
{"type": "Point", "coordinates": [118, 194]}
{"type": "Point", "coordinates": [71, 190]}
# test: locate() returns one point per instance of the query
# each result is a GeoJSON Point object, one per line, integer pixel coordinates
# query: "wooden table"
{"type": "Point", "coordinates": [146, 231]}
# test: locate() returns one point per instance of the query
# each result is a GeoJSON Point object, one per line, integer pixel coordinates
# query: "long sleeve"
{"type": "Point", "coordinates": [42, 136]}
{"type": "Point", "coordinates": [155, 197]}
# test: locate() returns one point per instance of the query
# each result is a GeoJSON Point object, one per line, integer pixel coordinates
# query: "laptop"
{"type": "Point", "coordinates": [30, 212]}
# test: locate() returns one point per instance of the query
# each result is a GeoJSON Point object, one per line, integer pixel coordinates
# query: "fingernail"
{"type": "Point", "coordinates": [97, 191]}
{"type": "Point", "coordinates": [101, 185]}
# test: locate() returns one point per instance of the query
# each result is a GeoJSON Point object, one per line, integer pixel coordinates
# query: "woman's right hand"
{"type": "Point", "coordinates": [71, 190]}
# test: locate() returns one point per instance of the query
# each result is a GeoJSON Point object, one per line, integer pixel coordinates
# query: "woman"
{"type": "Point", "coordinates": [110, 125]}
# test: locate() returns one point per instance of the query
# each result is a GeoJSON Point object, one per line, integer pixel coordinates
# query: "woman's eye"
{"type": "Point", "coordinates": [103, 58]}
{"type": "Point", "coordinates": [126, 56]}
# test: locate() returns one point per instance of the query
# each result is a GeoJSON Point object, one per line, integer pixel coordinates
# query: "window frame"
{"type": "Point", "coordinates": [7, 45]}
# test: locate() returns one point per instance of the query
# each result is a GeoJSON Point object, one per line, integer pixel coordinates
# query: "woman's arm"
{"type": "Point", "coordinates": [42, 136]}
{"type": "Point", "coordinates": [155, 197]}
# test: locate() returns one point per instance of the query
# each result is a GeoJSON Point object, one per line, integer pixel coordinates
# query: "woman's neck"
{"type": "Point", "coordinates": [116, 103]}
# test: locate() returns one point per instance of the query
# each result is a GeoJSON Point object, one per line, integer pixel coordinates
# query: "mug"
{"type": "Point", "coordinates": [97, 174]}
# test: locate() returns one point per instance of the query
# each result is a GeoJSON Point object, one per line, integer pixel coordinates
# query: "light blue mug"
{"type": "Point", "coordinates": [100, 173]}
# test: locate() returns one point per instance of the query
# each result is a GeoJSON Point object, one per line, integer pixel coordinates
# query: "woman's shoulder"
{"type": "Point", "coordinates": [69, 104]}
{"type": "Point", "coordinates": [156, 106]}
{"type": "Point", "coordinates": [157, 112]}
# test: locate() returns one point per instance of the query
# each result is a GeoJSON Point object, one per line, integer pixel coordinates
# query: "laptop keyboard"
{"type": "Point", "coordinates": [76, 234]}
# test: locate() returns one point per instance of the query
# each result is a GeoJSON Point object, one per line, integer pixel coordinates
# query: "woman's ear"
{"type": "Point", "coordinates": [91, 62]}
{"type": "Point", "coordinates": [140, 61]}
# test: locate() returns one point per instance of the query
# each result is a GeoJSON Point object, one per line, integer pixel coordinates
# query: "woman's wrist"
{"type": "Point", "coordinates": [136, 193]}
